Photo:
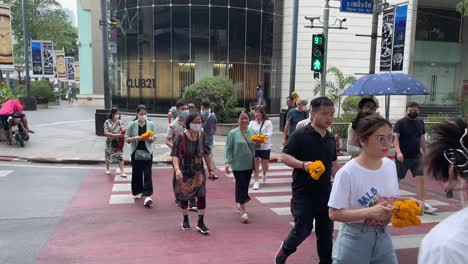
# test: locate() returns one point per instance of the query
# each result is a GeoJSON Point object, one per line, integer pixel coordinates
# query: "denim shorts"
{"type": "Point", "coordinates": [361, 243]}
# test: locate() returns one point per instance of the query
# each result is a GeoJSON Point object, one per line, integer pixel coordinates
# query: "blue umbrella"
{"type": "Point", "coordinates": [386, 84]}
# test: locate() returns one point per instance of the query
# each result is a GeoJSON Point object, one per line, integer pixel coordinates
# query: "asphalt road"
{"type": "Point", "coordinates": [33, 198]}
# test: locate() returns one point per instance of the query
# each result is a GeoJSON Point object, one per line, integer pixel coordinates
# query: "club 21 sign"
{"type": "Point", "coordinates": [141, 83]}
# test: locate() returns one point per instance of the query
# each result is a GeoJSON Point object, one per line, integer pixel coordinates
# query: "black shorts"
{"type": "Point", "coordinates": [414, 165]}
{"type": "Point", "coordinates": [263, 154]}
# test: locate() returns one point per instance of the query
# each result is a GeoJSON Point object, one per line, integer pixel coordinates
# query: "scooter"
{"type": "Point", "coordinates": [17, 132]}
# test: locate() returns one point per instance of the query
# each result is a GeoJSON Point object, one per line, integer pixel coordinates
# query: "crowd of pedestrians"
{"type": "Point", "coordinates": [359, 194]}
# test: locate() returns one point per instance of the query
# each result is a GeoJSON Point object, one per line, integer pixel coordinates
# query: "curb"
{"type": "Point", "coordinates": [67, 161]}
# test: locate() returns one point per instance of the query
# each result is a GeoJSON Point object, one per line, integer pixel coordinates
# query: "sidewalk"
{"type": "Point", "coordinates": [66, 134]}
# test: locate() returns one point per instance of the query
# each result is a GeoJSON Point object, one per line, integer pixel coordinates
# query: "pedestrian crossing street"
{"type": "Point", "coordinates": [276, 194]}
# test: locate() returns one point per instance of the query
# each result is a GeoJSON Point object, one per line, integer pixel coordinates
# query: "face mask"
{"type": "Point", "coordinates": [195, 127]}
{"type": "Point", "coordinates": [142, 117]}
{"type": "Point", "coordinates": [185, 113]}
{"type": "Point", "coordinates": [413, 115]}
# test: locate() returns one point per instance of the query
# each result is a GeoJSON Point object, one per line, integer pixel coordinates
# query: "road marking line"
{"type": "Point", "coordinates": [121, 199]}
{"type": "Point", "coordinates": [82, 167]}
{"type": "Point", "coordinates": [123, 187]}
{"type": "Point", "coordinates": [277, 180]}
{"type": "Point", "coordinates": [436, 203]}
{"type": "Point", "coordinates": [120, 179]}
{"type": "Point", "coordinates": [274, 199]}
{"type": "Point", "coordinates": [407, 241]}
{"type": "Point", "coordinates": [272, 189]}
{"type": "Point", "coordinates": [4, 173]}
{"type": "Point", "coordinates": [64, 122]}
{"type": "Point", "coordinates": [406, 193]}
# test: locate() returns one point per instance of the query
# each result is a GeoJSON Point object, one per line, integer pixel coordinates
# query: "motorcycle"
{"type": "Point", "coordinates": [17, 132]}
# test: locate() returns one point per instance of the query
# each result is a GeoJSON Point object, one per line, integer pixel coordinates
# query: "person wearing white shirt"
{"type": "Point", "coordinates": [362, 196]}
{"type": "Point", "coordinates": [446, 160]}
{"type": "Point", "coordinates": [261, 125]}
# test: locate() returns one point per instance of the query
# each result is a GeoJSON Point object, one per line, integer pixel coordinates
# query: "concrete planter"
{"type": "Point", "coordinates": [43, 106]}
{"type": "Point", "coordinates": [54, 103]}
{"type": "Point", "coordinates": [223, 129]}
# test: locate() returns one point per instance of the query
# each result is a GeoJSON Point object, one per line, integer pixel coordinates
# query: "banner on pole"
{"type": "Point", "coordinates": [60, 64]}
{"type": "Point", "coordinates": [77, 71]}
{"type": "Point", "coordinates": [36, 58]}
{"type": "Point", "coordinates": [387, 40]}
{"type": "Point", "coordinates": [6, 44]}
{"type": "Point", "coordinates": [401, 13]}
{"type": "Point", "coordinates": [70, 64]}
{"type": "Point", "coordinates": [48, 59]}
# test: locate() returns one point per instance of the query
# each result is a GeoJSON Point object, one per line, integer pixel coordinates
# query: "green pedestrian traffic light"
{"type": "Point", "coordinates": [318, 51]}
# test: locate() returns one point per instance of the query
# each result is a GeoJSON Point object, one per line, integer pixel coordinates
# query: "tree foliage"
{"type": "Point", "coordinates": [335, 88]}
{"type": "Point", "coordinates": [462, 7]}
{"type": "Point", "coordinates": [46, 21]}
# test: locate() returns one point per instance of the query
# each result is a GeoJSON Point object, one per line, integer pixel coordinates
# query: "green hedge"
{"type": "Point", "coordinates": [42, 90]}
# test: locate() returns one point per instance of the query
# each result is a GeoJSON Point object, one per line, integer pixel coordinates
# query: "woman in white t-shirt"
{"type": "Point", "coordinates": [447, 161]}
{"type": "Point", "coordinates": [261, 125]}
{"type": "Point", "coordinates": [362, 195]}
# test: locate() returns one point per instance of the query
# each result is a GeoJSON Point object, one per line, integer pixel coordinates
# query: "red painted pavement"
{"type": "Point", "coordinates": [92, 231]}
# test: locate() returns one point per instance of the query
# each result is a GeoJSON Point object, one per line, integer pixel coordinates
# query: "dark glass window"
{"type": "Point", "coordinates": [200, 33]}
{"type": "Point", "coordinates": [269, 6]}
{"type": "Point", "coordinates": [180, 2]}
{"type": "Point", "coordinates": [267, 38]}
{"type": "Point", "coordinates": [145, 3]}
{"type": "Point", "coordinates": [131, 4]}
{"type": "Point", "coordinates": [253, 36]}
{"type": "Point", "coordinates": [219, 34]}
{"type": "Point", "coordinates": [162, 2]}
{"type": "Point", "coordinates": [180, 33]}
{"type": "Point", "coordinates": [219, 2]}
{"type": "Point", "coordinates": [145, 33]}
{"type": "Point", "coordinates": [237, 3]}
{"type": "Point", "coordinates": [117, 5]}
{"type": "Point", "coordinates": [162, 32]}
{"type": "Point", "coordinates": [236, 35]}
{"type": "Point", "coordinates": [255, 4]}
{"type": "Point", "coordinates": [438, 25]}
{"type": "Point", "coordinates": [200, 2]}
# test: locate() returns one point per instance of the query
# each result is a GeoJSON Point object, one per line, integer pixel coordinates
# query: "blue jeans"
{"type": "Point", "coordinates": [361, 243]}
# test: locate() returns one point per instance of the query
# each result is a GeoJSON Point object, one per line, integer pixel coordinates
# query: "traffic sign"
{"type": "Point", "coordinates": [357, 6]}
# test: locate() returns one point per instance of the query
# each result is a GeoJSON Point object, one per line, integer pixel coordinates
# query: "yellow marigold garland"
{"type": "Point", "coordinates": [146, 135]}
{"type": "Point", "coordinates": [406, 214]}
{"type": "Point", "coordinates": [258, 137]}
{"type": "Point", "coordinates": [316, 169]}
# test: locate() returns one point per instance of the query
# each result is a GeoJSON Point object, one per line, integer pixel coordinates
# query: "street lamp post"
{"type": "Point", "coordinates": [29, 102]}
{"type": "Point", "coordinates": [105, 55]}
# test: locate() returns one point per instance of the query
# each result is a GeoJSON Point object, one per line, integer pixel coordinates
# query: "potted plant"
{"type": "Point", "coordinates": [219, 91]}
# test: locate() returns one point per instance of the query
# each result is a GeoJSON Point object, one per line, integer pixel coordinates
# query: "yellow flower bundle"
{"type": "Point", "coordinates": [146, 135]}
{"type": "Point", "coordinates": [406, 214]}
{"type": "Point", "coordinates": [261, 138]}
{"type": "Point", "coordinates": [316, 169]}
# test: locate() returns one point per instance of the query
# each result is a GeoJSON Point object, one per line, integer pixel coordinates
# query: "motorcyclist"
{"type": "Point", "coordinates": [13, 108]}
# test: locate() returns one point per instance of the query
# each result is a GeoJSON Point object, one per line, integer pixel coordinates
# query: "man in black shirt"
{"type": "Point", "coordinates": [310, 197]}
{"type": "Point", "coordinates": [410, 143]}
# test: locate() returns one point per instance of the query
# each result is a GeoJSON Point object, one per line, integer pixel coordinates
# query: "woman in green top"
{"type": "Point", "coordinates": [239, 156]}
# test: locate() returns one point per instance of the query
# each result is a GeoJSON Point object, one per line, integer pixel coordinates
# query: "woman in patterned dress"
{"type": "Point", "coordinates": [114, 130]}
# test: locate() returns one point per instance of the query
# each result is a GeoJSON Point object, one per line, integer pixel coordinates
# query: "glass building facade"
{"type": "Point", "coordinates": [159, 47]}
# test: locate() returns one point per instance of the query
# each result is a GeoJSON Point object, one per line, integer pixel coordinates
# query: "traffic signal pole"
{"type": "Point", "coordinates": [373, 48]}
{"type": "Point", "coordinates": [326, 18]}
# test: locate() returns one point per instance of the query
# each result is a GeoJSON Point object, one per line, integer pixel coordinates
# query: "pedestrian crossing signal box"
{"type": "Point", "coordinates": [318, 50]}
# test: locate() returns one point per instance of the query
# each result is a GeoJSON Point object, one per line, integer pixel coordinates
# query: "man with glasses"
{"type": "Point", "coordinates": [410, 143]}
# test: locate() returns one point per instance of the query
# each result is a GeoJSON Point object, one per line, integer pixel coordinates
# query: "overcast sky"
{"type": "Point", "coordinates": [70, 4]}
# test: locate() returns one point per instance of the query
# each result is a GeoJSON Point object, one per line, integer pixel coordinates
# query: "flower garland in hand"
{"type": "Point", "coordinates": [146, 135]}
{"type": "Point", "coordinates": [406, 214]}
{"type": "Point", "coordinates": [258, 138]}
{"type": "Point", "coordinates": [316, 169]}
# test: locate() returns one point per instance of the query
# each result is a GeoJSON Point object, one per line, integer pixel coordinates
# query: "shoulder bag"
{"type": "Point", "coordinates": [251, 150]}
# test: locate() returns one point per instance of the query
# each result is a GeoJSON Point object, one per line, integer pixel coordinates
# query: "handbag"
{"type": "Point", "coordinates": [251, 150]}
{"type": "Point", "coordinates": [141, 154]}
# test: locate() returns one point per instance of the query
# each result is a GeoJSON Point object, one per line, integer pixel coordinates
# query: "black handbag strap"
{"type": "Point", "coordinates": [261, 126]}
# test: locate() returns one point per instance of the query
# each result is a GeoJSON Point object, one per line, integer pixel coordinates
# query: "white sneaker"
{"type": "Point", "coordinates": [429, 209]}
{"type": "Point", "coordinates": [108, 172]}
{"type": "Point", "coordinates": [264, 178]}
{"type": "Point", "coordinates": [245, 218]}
{"type": "Point", "coordinates": [256, 185]}
{"type": "Point", "coordinates": [148, 202]}
{"type": "Point", "coordinates": [138, 196]}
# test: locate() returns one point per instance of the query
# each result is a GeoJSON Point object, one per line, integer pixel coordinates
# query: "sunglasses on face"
{"type": "Point", "coordinates": [458, 157]}
{"type": "Point", "coordinates": [384, 140]}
